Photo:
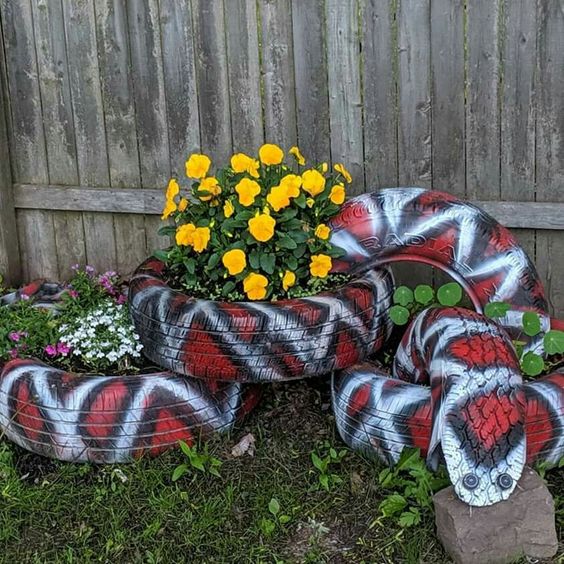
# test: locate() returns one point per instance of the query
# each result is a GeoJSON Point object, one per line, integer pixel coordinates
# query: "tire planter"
{"type": "Point", "coordinates": [477, 415]}
{"type": "Point", "coordinates": [108, 419]}
{"type": "Point", "coordinates": [259, 341]}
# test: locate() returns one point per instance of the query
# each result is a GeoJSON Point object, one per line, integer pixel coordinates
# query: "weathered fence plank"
{"type": "Point", "coordinates": [519, 55]}
{"type": "Point", "coordinates": [244, 75]}
{"type": "Point", "coordinates": [312, 97]}
{"type": "Point", "coordinates": [278, 72]}
{"type": "Point", "coordinates": [379, 77]}
{"type": "Point", "coordinates": [550, 143]}
{"type": "Point", "coordinates": [482, 109]}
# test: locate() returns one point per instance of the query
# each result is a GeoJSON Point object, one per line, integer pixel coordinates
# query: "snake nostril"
{"type": "Point", "coordinates": [504, 481]}
{"type": "Point", "coordinates": [470, 481]}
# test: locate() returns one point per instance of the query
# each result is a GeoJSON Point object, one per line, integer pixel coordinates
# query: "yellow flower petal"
{"type": "Point", "coordinates": [211, 186]}
{"type": "Point", "coordinates": [170, 208]}
{"type": "Point", "coordinates": [197, 165]}
{"type": "Point", "coordinates": [340, 168]}
{"type": "Point", "coordinates": [337, 194]}
{"type": "Point", "coordinates": [320, 265]}
{"type": "Point", "coordinates": [182, 205]}
{"type": "Point", "coordinates": [292, 183]}
{"type": "Point", "coordinates": [322, 231]}
{"type": "Point", "coordinates": [310, 202]}
{"type": "Point", "coordinates": [270, 154]}
{"type": "Point", "coordinates": [288, 280]}
{"type": "Point", "coordinates": [313, 182]}
{"type": "Point", "coordinates": [201, 238]}
{"type": "Point", "coordinates": [185, 234]}
{"type": "Point", "coordinates": [228, 209]}
{"type": "Point", "coordinates": [248, 190]}
{"type": "Point", "coordinates": [278, 198]}
{"type": "Point", "coordinates": [255, 286]}
{"type": "Point", "coordinates": [295, 152]}
{"type": "Point", "coordinates": [172, 189]}
{"type": "Point", "coordinates": [261, 227]}
{"type": "Point", "coordinates": [235, 261]}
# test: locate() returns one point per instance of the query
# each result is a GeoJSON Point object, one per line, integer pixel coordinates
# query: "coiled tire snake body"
{"type": "Point", "coordinates": [477, 415]}
{"type": "Point", "coordinates": [109, 418]}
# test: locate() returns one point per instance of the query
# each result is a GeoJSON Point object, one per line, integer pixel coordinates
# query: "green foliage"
{"type": "Point", "coordinates": [324, 462]}
{"type": "Point", "coordinates": [403, 296]}
{"type": "Point", "coordinates": [196, 460]}
{"type": "Point", "coordinates": [269, 524]}
{"type": "Point", "coordinates": [532, 364]}
{"type": "Point", "coordinates": [496, 309]}
{"type": "Point", "coordinates": [449, 294]}
{"type": "Point", "coordinates": [409, 487]}
{"type": "Point", "coordinates": [400, 315]}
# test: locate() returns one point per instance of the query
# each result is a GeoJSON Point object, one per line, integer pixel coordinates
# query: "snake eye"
{"type": "Point", "coordinates": [504, 481]}
{"type": "Point", "coordinates": [470, 481]}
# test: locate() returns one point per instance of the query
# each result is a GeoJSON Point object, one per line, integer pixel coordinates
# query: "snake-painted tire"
{"type": "Point", "coordinates": [418, 225]}
{"type": "Point", "coordinates": [259, 341]}
{"type": "Point", "coordinates": [109, 419]}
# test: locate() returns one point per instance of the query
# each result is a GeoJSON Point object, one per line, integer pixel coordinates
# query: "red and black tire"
{"type": "Point", "coordinates": [108, 419]}
{"type": "Point", "coordinates": [259, 341]}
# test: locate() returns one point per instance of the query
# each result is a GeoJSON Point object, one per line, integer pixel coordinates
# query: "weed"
{"type": "Point", "coordinates": [324, 463]}
{"type": "Point", "coordinates": [202, 461]}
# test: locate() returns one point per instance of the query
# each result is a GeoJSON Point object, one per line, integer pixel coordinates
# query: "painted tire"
{"type": "Point", "coordinates": [108, 419]}
{"type": "Point", "coordinates": [414, 224]}
{"type": "Point", "coordinates": [259, 341]}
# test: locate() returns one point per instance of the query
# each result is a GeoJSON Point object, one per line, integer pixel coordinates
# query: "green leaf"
{"type": "Point", "coordinates": [291, 263]}
{"type": "Point", "coordinates": [410, 518]}
{"type": "Point", "coordinates": [317, 462]}
{"type": "Point", "coordinates": [449, 294]}
{"type": "Point", "coordinates": [531, 323]}
{"type": "Point", "coordinates": [300, 251]}
{"type": "Point", "coordinates": [167, 230]}
{"type": "Point", "coordinates": [267, 262]}
{"type": "Point", "coordinates": [286, 242]}
{"type": "Point", "coordinates": [287, 215]}
{"type": "Point", "coordinates": [161, 255]}
{"type": "Point", "coordinates": [324, 481]}
{"type": "Point", "coordinates": [393, 504]}
{"type": "Point", "coordinates": [399, 315]}
{"type": "Point", "coordinates": [229, 286]}
{"type": "Point", "coordinates": [213, 260]}
{"type": "Point", "coordinates": [403, 296]}
{"type": "Point", "coordinates": [267, 526]}
{"type": "Point", "coordinates": [409, 458]}
{"type": "Point", "coordinates": [496, 309]}
{"type": "Point", "coordinates": [424, 294]}
{"type": "Point", "coordinates": [254, 259]}
{"type": "Point", "coordinates": [179, 471]}
{"type": "Point", "coordinates": [274, 506]}
{"type": "Point", "coordinates": [283, 519]}
{"type": "Point", "coordinates": [190, 265]}
{"type": "Point", "coordinates": [185, 448]}
{"type": "Point", "coordinates": [336, 252]}
{"type": "Point", "coordinates": [532, 364]}
{"type": "Point", "coordinates": [554, 342]}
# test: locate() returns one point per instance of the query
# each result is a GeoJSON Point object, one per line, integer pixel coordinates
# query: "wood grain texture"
{"type": "Point", "coordinates": [278, 72]}
{"type": "Point", "coordinates": [241, 32]}
{"type": "Point", "coordinates": [518, 123]}
{"type": "Point", "coordinates": [312, 96]}
{"type": "Point", "coordinates": [379, 78]}
{"type": "Point", "coordinates": [10, 264]}
{"type": "Point", "coordinates": [414, 66]}
{"type": "Point", "coordinates": [482, 109]}
{"type": "Point", "coordinates": [447, 100]}
{"type": "Point", "coordinates": [345, 98]}
{"type": "Point", "coordinates": [550, 143]}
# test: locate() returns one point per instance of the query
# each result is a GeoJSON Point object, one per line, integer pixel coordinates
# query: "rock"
{"type": "Point", "coordinates": [500, 533]}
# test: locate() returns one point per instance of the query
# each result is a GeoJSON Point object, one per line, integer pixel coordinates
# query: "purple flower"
{"type": "Point", "coordinates": [89, 270]}
{"type": "Point", "coordinates": [121, 299]}
{"type": "Point", "coordinates": [50, 350]}
{"type": "Point", "coordinates": [24, 297]}
{"type": "Point", "coordinates": [15, 336]}
{"type": "Point", "coordinates": [73, 294]}
{"type": "Point", "coordinates": [75, 267]}
{"type": "Point", "coordinates": [63, 349]}
{"type": "Point", "coordinates": [13, 353]}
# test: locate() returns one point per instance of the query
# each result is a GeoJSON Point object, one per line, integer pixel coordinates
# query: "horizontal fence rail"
{"type": "Point", "coordinates": [101, 101]}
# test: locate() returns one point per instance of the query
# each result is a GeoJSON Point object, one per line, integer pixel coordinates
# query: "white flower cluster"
{"type": "Point", "coordinates": [103, 337]}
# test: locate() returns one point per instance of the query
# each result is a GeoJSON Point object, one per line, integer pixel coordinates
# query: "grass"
{"type": "Point", "coordinates": [57, 512]}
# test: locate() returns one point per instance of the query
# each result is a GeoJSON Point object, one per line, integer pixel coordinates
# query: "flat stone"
{"type": "Point", "coordinates": [499, 533]}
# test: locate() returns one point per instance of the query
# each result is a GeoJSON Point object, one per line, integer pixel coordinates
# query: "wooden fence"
{"type": "Point", "coordinates": [104, 99]}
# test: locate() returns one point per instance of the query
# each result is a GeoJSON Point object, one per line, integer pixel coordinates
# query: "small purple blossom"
{"type": "Point", "coordinates": [50, 350]}
{"type": "Point", "coordinates": [122, 298]}
{"type": "Point", "coordinates": [73, 294]}
{"type": "Point", "coordinates": [13, 353]}
{"type": "Point", "coordinates": [90, 270]}
{"type": "Point", "coordinates": [75, 267]}
{"type": "Point", "coordinates": [63, 349]}
{"type": "Point", "coordinates": [24, 297]}
{"type": "Point", "coordinates": [15, 336]}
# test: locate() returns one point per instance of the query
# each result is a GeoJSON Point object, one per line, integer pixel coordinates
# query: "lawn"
{"type": "Point", "coordinates": [267, 508]}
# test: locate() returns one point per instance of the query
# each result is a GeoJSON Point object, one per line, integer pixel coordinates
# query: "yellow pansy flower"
{"type": "Point", "coordinates": [211, 186]}
{"type": "Point", "coordinates": [292, 183]}
{"type": "Point", "coordinates": [172, 189]}
{"type": "Point", "coordinates": [248, 190]}
{"type": "Point", "coordinates": [320, 265]}
{"type": "Point", "coordinates": [313, 182]}
{"type": "Point", "coordinates": [310, 202]}
{"type": "Point", "coordinates": [243, 163]}
{"type": "Point", "coordinates": [324, 168]}
{"type": "Point", "coordinates": [337, 194]}
{"type": "Point", "coordinates": [228, 209]}
{"type": "Point", "coordinates": [197, 165]}
{"type": "Point", "coordinates": [294, 151]}
{"type": "Point", "coordinates": [261, 227]}
{"type": "Point", "coordinates": [255, 286]}
{"type": "Point", "coordinates": [183, 204]}
{"type": "Point", "coordinates": [170, 208]}
{"type": "Point", "coordinates": [185, 234]}
{"type": "Point", "coordinates": [340, 168]}
{"type": "Point", "coordinates": [235, 261]}
{"type": "Point", "coordinates": [270, 154]}
{"type": "Point", "coordinates": [278, 198]}
{"type": "Point", "coordinates": [322, 231]}
{"type": "Point", "coordinates": [288, 280]}
{"type": "Point", "coordinates": [201, 238]}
